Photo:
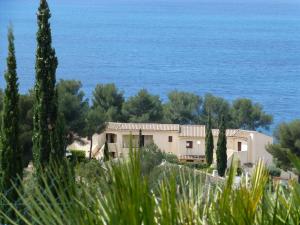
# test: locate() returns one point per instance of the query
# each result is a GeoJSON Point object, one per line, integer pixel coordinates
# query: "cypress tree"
{"type": "Point", "coordinates": [209, 142]}
{"type": "Point", "coordinates": [45, 106]}
{"type": "Point", "coordinates": [222, 149]}
{"type": "Point", "coordinates": [141, 141]}
{"type": "Point", "coordinates": [11, 154]}
{"type": "Point", "coordinates": [106, 152]}
{"type": "Point", "coordinates": [61, 138]}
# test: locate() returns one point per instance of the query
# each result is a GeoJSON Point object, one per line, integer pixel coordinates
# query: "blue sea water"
{"type": "Point", "coordinates": [231, 48]}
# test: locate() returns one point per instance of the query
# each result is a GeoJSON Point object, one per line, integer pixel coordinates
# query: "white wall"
{"type": "Point", "coordinates": [198, 146]}
{"type": "Point", "coordinates": [258, 151]}
{"type": "Point", "coordinates": [160, 138]}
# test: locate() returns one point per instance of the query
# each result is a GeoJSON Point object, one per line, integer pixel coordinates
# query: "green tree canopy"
{"type": "Point", "coordinates": [94, 123]}
{"type": "Point", "coordinates": [143, 107]}
{"type": "Point", "coordinates": [73, 106]}
{"type": "Point", "coordinates": [216, 107]}
{"type": "Point", "coordinates": [182, 108]}
{"type": "Point", "coordinates": [287, 137]}
{"type": "Point", "coordinates": [109, 99]}
{"type": "Point", "coordinates": [248, 115]}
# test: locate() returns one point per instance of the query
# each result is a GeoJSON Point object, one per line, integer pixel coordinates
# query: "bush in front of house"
{"type": "Point", "coordinates": [274, 171]}
{"type": "Point", "coordinates": [77, 155]}
{"type": "Point", "coordinates": [151, 156]}
{"type": "Point", "coordinates": [171, 158]}
{"type": "Point", "coordinates": [198, 166]}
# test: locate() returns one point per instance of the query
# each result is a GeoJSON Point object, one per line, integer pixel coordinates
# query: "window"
{"type": "Point", "coordinates": [239, 146]}
{"type": "Point", "coordinates": [189, 144]}
{"type": "Point", "coordinates": [170, 139]}
{"type": "Point", "coordinates": [134, 141]}
{"type": "Point", "coordinates": [111, 138]}
{"type": "Point", "coordinates": [147, 139]}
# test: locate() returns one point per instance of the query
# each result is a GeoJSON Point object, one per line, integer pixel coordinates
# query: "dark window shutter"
{"type": "Point", "coordinates": [239, 146]}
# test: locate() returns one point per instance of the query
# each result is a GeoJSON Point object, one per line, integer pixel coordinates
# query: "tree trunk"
{"type": "Point", "coordinates": [299, 179]}
{"type": "Point", "coordinates": [91, 146]}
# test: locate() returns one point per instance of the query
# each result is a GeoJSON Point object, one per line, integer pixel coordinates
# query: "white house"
{"type": "Point", "coordinates": [185, 141]}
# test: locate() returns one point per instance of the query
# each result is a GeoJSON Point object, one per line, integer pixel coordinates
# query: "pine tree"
{"type": "Point", "coordinates": [222, 149]}
{"type": "Point", "coordinates": [106, 152]}
{"type": "Point", "coordinates": [11, 154]}
{"type": "Point", "coordinates": [209, 142]}
{"type": "Point", "coordinates": [45, 106]}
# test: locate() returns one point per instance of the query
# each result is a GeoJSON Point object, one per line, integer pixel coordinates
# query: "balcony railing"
{"type": "Point", "coordinates": [198, 158]}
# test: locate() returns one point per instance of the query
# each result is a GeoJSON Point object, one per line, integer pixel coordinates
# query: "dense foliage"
{"type": "Point", "coordinates": [248, 115]}
{"type": "Point", "coordinates": [118, 193]}
{"type": "Point", "coordinates": [182, 108]}
{"type": "Point", "coordinates": [216, 107]}
{"type": "Point", "coordinates": [26, 125]}
{"type": "Point", "coordinates": [287, 137]}
{"type": "Point", "coordinates": [73, 106]}
{"type": "Point", "coordinates": [143, 107]}
{"type": "Point", "coordinates": [78, 155]}
{"type": "Point", "coordinates": [11, 168]}
{"type": "Point", "coordinates": [109, 101]}
{"type": "Point", "coordinates": [45, 143]}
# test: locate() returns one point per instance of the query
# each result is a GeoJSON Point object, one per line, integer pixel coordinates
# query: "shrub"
{"type": "Point", "coordinates": [151, 156]}
{"type": "Point", "coordinates": [78, 155]}
{"type": "Point", "coordinates": [171, 158]}
{"type": "Point", "coordinates": [274, 171]}
{"type": "Point", "coordinates": [198, 166]}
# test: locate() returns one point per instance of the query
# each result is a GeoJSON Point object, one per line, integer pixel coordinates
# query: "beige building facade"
{"type": "Point", "coordinates": [187, 142]}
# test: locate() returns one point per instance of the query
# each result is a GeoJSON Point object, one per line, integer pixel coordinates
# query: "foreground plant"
{"type": "Point", "coordinates": [121, 195]}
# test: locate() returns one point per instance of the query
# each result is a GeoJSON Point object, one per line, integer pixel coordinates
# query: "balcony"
{"type": "Point", "coordinates": [192, 158]}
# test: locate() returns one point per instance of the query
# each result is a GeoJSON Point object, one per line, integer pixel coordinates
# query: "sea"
{"type": "Point", "coordinates": [230, 48]}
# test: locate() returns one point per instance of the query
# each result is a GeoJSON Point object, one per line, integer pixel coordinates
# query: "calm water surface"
{"type": "Point", "coordinates": [231, 48]}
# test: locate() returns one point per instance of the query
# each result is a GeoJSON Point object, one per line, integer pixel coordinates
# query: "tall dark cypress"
{"type": "Point", "coordinates": [11, 155]}
{"type": "Point", "coordinates": [209, 142]}
{"type": "Point", "coordinates": [61, 138]}
{"type": "Point", "coordinates": [106, 152]}
{"type": "Point", "coordinates": [222, 149]}
{"type": "Point", "coordinates": [45, 106]}
{"type": "Point", "coordinates": [141, 139]}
